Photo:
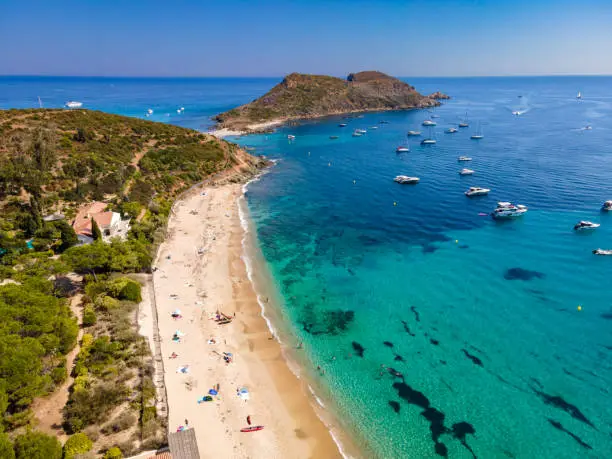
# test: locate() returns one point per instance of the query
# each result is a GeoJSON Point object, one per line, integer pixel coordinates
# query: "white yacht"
{"type": "Point", "coordinates": [74, 104]}
{"type": "Point", "coordinates": [585, 225]}
{"type": "Point", "coordinates": [451, 130]}
{"type": "Point", "coordinates": [290, 137]}
{"type": "Point", "coordinates": [150, 111]}
{"type": "Point", "coordinates": [413, 133]}
{"type": "Point", "coordinates": [476, 191]}
{"type": "Point", "coordinates": [402, 149]}
{"type": "Point", "coordinates": [465, 171]}
{"type": "Point", "coordinates": [373, 127]}
{"type": "Point", "coordinates": [405, 180]}
{"type": "Point", "coordinates": [356, 133]}
{"type": "Point", "coordinates": [607, 206]}
{"type": "Point", "coordinates": [579, 95]}
{"type": "Point", "coordinates": [464, 123]}
{"type": "Point", "coordinates": [428, 141]}
{"type": "Point", "coordinates": [517, 113]}
{"type": "Point", "coordinates": [429, 123]}
{"type": "Point", "coordinates": [464, 158]}
{"type": "Point", "coordinates": [602, 252]}
{"type": "Point", "coordinates": [361, 131]}
{"type": "Point", "coordinates": [342, 125]}
{"type": "Point", "coordinates": [478, 134]}
{"type": "Point", "coordinates": [508, 210]}
{"type": "Point", "coordinates": [588, 127]}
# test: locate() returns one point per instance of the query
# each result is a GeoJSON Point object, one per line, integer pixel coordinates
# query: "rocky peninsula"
{"type": "Point", "coordinates": [302, 96]}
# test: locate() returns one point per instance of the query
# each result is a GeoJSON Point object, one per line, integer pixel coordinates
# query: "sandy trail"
{"type": "Point", "coordinates": [199, 270]}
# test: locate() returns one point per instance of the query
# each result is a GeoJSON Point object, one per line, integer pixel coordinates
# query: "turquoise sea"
{"type": "Point", "coordinates": [438, 331]}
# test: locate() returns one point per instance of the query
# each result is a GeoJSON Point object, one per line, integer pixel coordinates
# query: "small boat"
{"type": "Point", "coordinates": [451, 130]}
{"type": "Point", "coordinates": [413, 133]}
{"type": "Point", "coordinates": [466, 172]}
{"type": "Point", "coordinates": [429, 123]}
{"type": "Point", "coordinates": [373, 127]}
{"type": "Point", "coordinates": [478, 134]}
{"type": "Point", "coordinates": [251, 429]}
{"type": "Point", "coordinates": [74, 104]}
{"type": "Point", "coordinates": [476, 191]}
{"type": "Point", "coordinates": [150, 111]}
{"type": "Point", "coordinates": [517, 113]}
{"type": "Point", "coordinates": [179, 111]}
{"type": "Point", "coordinates": [464, 123]}
{"type": "Point", "coordinates": [579, 95]}
{"type": "Point", "coordinates": [342, 125]}
{"type": "Point", "coordinates": [607, 206]}
{"type": "Point", "coordinates": [428, 141]}
{"type": "Point", "coordinates": [464, 158]}
{"type": "Point", "coordinates": [361, 131]}
{"type": "Point", "coordinates": [333, 137]}
{"type": "Point", "coordinates": [406, 180]}
{"type": "Point", "coordinates": [585, 225]}
{"type": "Point", "coordinates": [357, 133]}
{"type": "Point", "coordinates": [602, 252]}
{"type": "Point", "coordinates": [402, 149]}
{"type": "Point", "coordinates": [588, 127]}
{"type": "Point", "coordinates": [290, 137]}
{"type": "Point", "coordinates": [506, 210]}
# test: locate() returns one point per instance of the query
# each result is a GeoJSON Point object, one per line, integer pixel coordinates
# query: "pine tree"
{"type": "Point", "coordinates": [95, 230]}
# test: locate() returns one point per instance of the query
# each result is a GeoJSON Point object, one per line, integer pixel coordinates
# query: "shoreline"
{"type": "Point", "coordinates": [201, 269]}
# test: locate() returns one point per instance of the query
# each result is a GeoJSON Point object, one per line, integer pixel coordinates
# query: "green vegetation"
{"type": "Point", "coordinates": [77, 444]}
{"type": "Point", "coordinates": [113, 453]}
{"type": "Point", "coordinates": [52, 162]}
{"type": "Point", "coordinates": [309, 96]}
{"type": "Point", "coordinates": [37, 445]}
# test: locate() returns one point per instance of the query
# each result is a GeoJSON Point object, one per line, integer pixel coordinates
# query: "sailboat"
{"type": "Point", "coordinates": [40, 102]}
{"type": "Point", "coordinates": [478, 134]}
{"type": "Point", "coordinates": [579, 95]}
{"type": "Point", "coordinates": [429, 140]}
{"type": "Point", "coordinates": [464, 123]}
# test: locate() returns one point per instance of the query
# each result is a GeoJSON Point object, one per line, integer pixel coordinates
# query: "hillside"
{"type": "Point", "coordinates": [301, 96]}
{"type": "Point", "coordinates": [63, 303]}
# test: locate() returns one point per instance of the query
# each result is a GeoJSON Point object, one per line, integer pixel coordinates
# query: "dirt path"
{"type": "Point", "coordinates": [48, 410]}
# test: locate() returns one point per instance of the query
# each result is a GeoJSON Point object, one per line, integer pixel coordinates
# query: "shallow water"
{"type": "Point", "coordinates": [479, 317]}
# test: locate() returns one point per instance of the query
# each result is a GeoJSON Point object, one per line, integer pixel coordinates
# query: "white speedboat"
{"type": "Point", "coordinates": [413, 133]}
{"type": "Point", "coordinates": [517, 113]}
{"type": "Point", "coordinates": [508, 210]}
{"type": "Point", "coordinates": [290, 137]}
{"type": "Point", "coordinates": [476, 191]}
{"type": "Point", "coordinates": [452, 130]}
{"type": "Point", "coordinates": [465, 171]}
{"type": "Point", "coordinates": [342, 125]}
{"type": "Point", "coordinates": [585, 225]}
{"type": "Point", "coordinates": [429, 123]}
{"type": "Point", "coordinates": [373, 127]}
{"type": "Point", "coordinates": [74, 104]}
{"type": "Point", "coordinates": [150, 111]}
{"type": "Point", "coordinates": [464, 158]}
{"type": "Point", "coordinates": [406, 180]}
{"type": "Point", "coordinates": [428, 141]}
{"type": "Point", "coordinates": [357, 133]}
{"type": "Point", "coordinates": [402, 149]}
{"type": "Point", "coordinates": [588, 127]}
{"type": "Point", "coordinates": [607, 206]}
{"type": "Point", "coordinates": [602, 252]}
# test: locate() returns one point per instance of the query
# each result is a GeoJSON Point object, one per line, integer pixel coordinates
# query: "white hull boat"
{"type": "Point", "coordinates": [406, 180]}
{"type": "Point", "coordinates": [476, 191]}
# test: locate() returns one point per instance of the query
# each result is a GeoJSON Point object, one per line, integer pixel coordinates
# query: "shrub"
{"type": "Point", "coordinates": [106, 303]}
{"type": "Point", "coordinates": [89, 316]}
{"type": "Point", "coordinates": [6, 447]}
{"type": "Point", "coordinates": [58, 375]}
{"type": "Point", "coordinates": [122, 422]}
{"type": "Point", "coordinates": [77, 444]}
{"type": "Point", "coordinates": [113, 453]}
{"type": "Point", "coordinates": [37, 445]}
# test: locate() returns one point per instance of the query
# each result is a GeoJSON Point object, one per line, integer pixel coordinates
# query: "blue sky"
{"type": "Point", "coordinates": [273, 38]}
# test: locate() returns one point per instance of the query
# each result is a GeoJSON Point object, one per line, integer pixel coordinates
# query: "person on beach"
{"type": "Point", "coordinates": [249, 419]}
{"type": "Point", "coordinates": [186, 423]}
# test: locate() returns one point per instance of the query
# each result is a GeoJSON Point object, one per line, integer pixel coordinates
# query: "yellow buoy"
{"type": "Point", "coordinates": [579, 308]}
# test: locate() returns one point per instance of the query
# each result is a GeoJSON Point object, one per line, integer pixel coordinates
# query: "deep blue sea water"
{"type": "Point", "coordinates": [480, 318]}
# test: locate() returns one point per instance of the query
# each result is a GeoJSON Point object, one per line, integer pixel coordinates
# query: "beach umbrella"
{"type": "Point", "coordinates": [176, 312]}
{"type": "Point", "coordinates": [213, 392]}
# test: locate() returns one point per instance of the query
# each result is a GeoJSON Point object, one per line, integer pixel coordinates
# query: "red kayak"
{"type": "Point", "coordinates": [252, 429]}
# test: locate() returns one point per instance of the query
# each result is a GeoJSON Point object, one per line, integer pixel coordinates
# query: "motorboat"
{"type": "Point", "coordinates": [428, 141]}
{"type": "Point", "coordinates": [517, 113]}
{"type": "Point", "coordinates": [373, 127]}
{"type": "Point", "coordinates": [74, 104]}
{"type": "Point", "coordinates": [476, 191]}
{"type": "Point", "coordinates": [405, 180]}
{"type": "Point", "coordinates": [508, 210]}
{"type": "Point", "coordinates": [451, 130]}
{"type": "Point", "coordinates": [429, 123]}
{"type": "Point", "coordinates": [588, 127]}
{"type": "Point", "coordinates": [291, 137]}
{"type": "Point", "coordinates": [402, 149]}
{"type": "Point", "coordinates": [150, 111]}
{"type": "Point", "coordinates": [342, 125]}
{"type": "Point", "coordinates": [464, 158]}
{"type": "Point", "coordinates": [361, 131]}
{"type": "Point", "coordinates": [607, 206]}
{"type": "Point", "coordinates": [413, 133]}
{"type": "Point", "coordinates": [466, 172]}
{"type": "Point", "coordinates": [333, 137]}
{"type": "Point", "coordinates": [357, 133]}
{"type": "Point", "coordinates": [585, 225]}
{"type": "Point", "coordinates": [602, 252]}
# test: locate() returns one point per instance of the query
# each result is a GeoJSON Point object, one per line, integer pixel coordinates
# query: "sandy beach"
{"type": "Point", "coordinates": [224, 132]}
{"type": "Point", "coordinates": [200, 271]}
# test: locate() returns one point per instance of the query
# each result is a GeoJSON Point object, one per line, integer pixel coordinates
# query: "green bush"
{"type": "Point", "coordinates": [6, 447]}
{"type": "Point", "coordinates": [37, 445]}
{"type": "Point", "coordinates": [113, 453]}
{"type": "Point", "coordinates": [89, 316]}
{"type": "Point", "coordinates": [77, 444]}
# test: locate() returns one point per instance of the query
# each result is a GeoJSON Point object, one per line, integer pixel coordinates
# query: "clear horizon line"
{"type": "Point", "coordinates": [521, 75]}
